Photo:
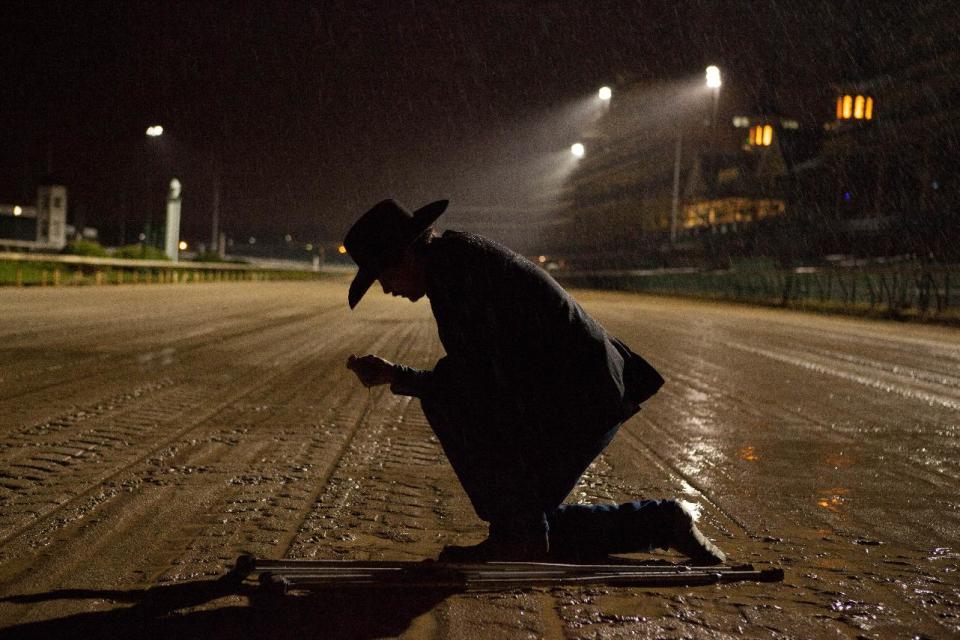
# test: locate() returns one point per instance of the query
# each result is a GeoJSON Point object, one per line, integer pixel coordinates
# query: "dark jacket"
{"type": "Point", "coordinates": [515, 337]}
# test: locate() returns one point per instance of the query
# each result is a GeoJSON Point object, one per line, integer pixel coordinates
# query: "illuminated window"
{"type": "Point", "coordinates": [858, 108]}
{"type": "Point", "coordinates": [854, 108]}
{"type": "Point", "coordinates": [761, 135]}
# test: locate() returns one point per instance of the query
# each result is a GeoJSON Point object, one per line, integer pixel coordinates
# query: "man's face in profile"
{"type": "Point", "coordinates": [403, 279]}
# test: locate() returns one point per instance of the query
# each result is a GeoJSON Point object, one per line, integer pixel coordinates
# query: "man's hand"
{"type": "Point", "coordinates": [371, 370]}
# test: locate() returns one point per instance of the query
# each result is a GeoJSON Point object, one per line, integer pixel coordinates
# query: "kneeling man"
{"type": "Point", "coordinates": [530, 391]}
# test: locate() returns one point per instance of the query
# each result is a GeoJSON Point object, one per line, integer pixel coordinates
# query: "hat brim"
{"type": "Point", "coordinates": [422, 219]}
{"type": "Point", "coordinates": [361, 283]}
{"type": "Point", "coordinates": [428, 214]}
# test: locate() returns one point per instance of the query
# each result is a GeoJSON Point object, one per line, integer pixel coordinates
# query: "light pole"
{"type": "Point", "coordinates": [675, 203]}
{"type": "Point", "coordinates": [155, 131]}
{"type": "Point", "coordinates": [713, 82]}
{"type": "Point", "coordinates": [171, 245]}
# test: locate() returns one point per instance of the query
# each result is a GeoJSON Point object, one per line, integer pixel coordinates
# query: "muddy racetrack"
{"type": "Point", "coordinates": [149, 435]}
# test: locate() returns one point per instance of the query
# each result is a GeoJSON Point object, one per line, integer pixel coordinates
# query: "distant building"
{"type": "Point", "coordinates": [727, 192]}
{"type": "Point", "coordinates": [891, 149]}
{"type": "Point", "coordinates": [618, 200]}
{"type": "Point", "coordinates": [39, 227]}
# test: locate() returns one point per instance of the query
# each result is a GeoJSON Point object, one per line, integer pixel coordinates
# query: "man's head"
{"type": "Point", "coordinates": [407, 277]}
{"type": "Point", "coordinates": [384, 243]}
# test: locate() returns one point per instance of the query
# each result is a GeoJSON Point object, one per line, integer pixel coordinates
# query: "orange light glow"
{"type": "Point", "coordinates": [767, 135]}
{"type": "Point", "coordinates": [868, 114]}
{"type": "Point", "coordinates": [832, 499]}
{"type": "Point", "coordinates": [839, 107]}
{"type": "Point", "coordinates": [341, 249]}
{"type": "Point", "coordinates": [858, 108]}
{"type": "Point", "coordinates": [749, 454]}
{"type": "Point", "coordinates": [847, 106]}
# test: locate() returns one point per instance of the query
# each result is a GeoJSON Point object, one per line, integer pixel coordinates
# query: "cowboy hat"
{"type": "Point", "coordinates": [379, 238]}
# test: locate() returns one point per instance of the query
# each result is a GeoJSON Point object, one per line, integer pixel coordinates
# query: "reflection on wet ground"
{"type": "Point", "coordinates": [833, 499]}
{"type": "Point", "coordinates": [145, 452]}
{"type": "Point", "coordinates": [827, 445]}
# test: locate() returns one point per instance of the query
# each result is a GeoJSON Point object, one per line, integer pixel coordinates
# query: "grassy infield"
{"type": "Point", "coordinates": [40, 273]}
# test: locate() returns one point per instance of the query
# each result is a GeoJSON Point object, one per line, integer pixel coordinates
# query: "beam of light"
{"type": "Point", "coordinates": [713, 77]}
{"type": "Point", "coordinates": [577, 150]}
{"type": "Point", "coordinates": [155, 131]}
{"type": "Point", "coordinates": [605, 93]}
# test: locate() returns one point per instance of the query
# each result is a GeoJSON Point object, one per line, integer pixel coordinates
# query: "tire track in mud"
{"type": "Point", "coordinates": [98, 454]}
{"type": "Point", "coordinates": [309, 464]}
{"type": "Point", "coordinates": [110, 367]}
{"type": "Point", "coordinates": [263, 509]}
{"type": "Point", "coordinates": [244, 478]}
{"type": "Point", "coordinates": [100, 337]}
{"type": "Point", "coordinates": [269, 479]}
{"type": "Point", "coordinates": [392, 494]}
{"type": "Point", "coordinates": [707, 384]}
{"type": "Point", "coordinates": [383, 426]}
{"type": "Point", "coordinates": [926, 384]}
{"type": "Point", "coordinates": [820, 560]}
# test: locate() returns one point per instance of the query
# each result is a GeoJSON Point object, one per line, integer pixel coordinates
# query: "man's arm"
{"type": "Point", "coordinates": [403, 380]}
{"type": "Point", "coordinates": [408, 381]}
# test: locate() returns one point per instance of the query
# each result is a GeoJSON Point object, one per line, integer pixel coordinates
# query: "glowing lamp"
{"type": "Point", "coordinates": [605, 93]}
{"type": "Point", "coordinates": [577, 150]}
{"type": "Point", "coordinates": [713, 77]}
{"type": "Point", "coordinates": [155, 131]}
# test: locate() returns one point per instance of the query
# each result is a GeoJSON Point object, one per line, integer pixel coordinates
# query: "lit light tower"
{"type": "Point", "coordinates": [217, 239]}
{"type": "Point", "coordinates": [154, 132]}
{"type": "Point", "coordinates": [714, 82]}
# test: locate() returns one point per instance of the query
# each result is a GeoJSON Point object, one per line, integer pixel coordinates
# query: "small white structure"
{"type": "Point", "coordinates": [40, 227]}
{"type": "Point", "coordinates": [172, 238]}
{"type": "Point", "coordinates": [52, 216]}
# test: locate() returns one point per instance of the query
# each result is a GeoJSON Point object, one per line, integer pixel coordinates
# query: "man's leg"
{"type": "Point", "coordinates": [484, 453]}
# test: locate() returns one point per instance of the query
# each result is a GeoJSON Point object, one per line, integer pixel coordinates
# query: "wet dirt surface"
{"type": "Point", "coordinates": [149, 435]}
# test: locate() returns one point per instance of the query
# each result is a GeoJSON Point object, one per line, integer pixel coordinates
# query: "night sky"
{"type": "Point", "coordinates": [314, 111]}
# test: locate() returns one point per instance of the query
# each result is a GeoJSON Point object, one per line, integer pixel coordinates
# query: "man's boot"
{"type": "Point", "coordinates": [687, 538]}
